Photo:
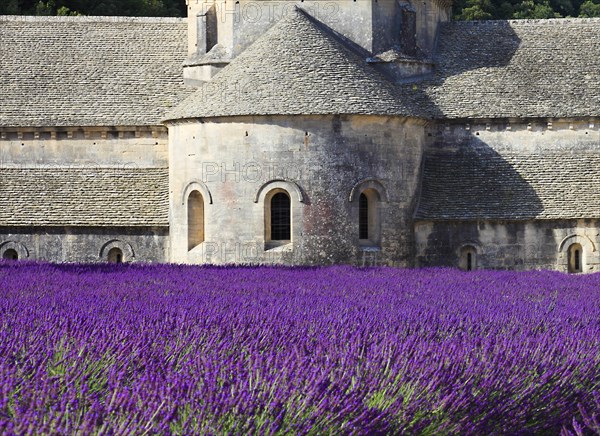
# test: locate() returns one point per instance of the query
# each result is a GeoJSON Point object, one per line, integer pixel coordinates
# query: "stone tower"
{"type": "Point", "coordinates": [299, 131]}
{"type": "Point", "coordinates": [396, 35]}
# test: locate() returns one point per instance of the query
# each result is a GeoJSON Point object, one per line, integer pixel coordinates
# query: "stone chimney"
{"type": "Point", "coordinates": [210, 32]}
{"type": "Point", "coordinates": [398, 35]}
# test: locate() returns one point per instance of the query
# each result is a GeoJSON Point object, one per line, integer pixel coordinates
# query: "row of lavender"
{"type": "Point", "coordinates": [210, 350]}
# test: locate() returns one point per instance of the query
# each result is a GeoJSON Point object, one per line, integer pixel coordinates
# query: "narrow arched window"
{"type": "Point", "coordinates": [363, 216]}
{"type": "Point", "coordinates": [575, 258]}
{"type": "Point", "coordinates": [468, 258]}
{"type": "Point", "coordinates": [115, 255]}
{"type": "Point", "coordinates": [195, 213]}
{"type": "Point", "coordinates": [10, 254]}
{"type": "Point", "coordinates": [281, 224]}
{"type": "Point", "coordinates": [369, 225]}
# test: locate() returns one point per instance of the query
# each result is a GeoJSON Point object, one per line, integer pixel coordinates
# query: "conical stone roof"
{"type": "Point", "coordinates": [298, 67]}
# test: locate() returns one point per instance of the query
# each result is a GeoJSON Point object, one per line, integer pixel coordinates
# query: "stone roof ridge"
{"type": "Point", "coordinates": [89, 19]}
{"type": "Point", "coordinates": [526, 21]}
{"type": "Point", "coordinates": [298, 67]}
{"type": "Point", "coordinates": [129, 166]}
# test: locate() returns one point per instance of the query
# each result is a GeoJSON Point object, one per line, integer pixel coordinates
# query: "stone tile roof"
{"type": "Point", "coordinates": [470, 185]}
{"type": "Point", "coordinates": [84, 197]}
{"type": "Point", "coordinates": [105, 71]}
{"type": "Point", "coordinates": [297, 67]}
{"type": "Point", "coordinates": [520, 68]}
{"type": "Point", "coordinates": [90, 71]}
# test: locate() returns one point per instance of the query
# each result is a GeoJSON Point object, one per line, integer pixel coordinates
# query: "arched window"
{"type": "Point", "coordinates": [278, 218]}
{"type": "Point", "coordinates": [468, 258]}
{"type": "Point", "coordinates": [281, 217]}
{"type": "Point", "coordinates": [10, 254]}
{"type": "Point", "coordinates": [363, 216]}
{"type": "Point", "coordinates": [369, 226]}
{"type": "Point", "coordinates": [195, 213]}
{"type": "Point", "coordinates": [115, 255]}
{"type": "Point", "coordinates": [575, 258]}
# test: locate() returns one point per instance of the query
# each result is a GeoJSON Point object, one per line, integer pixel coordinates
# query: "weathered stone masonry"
{"type": "Point", "coordinates": [83, 155]}
{"type": "Point", "coordinates": [366, 132]}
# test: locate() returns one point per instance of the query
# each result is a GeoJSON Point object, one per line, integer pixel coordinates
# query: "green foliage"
{"type": "Point", "coordinates": [135, 8]}
{"type": "Point", "coordinates": [535, 9]}
{"type": "Point", "coordinates": [524, 9]}
{"type": "Point", "coordinates": [45, 8]}
{"type": "Point", "coordinates": [590, 8]}
{"type": "Point", "coordinates": [477, 10]}
{"type": "Point", "coordinates": [462, 9]}
{"type": "Point", "coordinates": [65, 11]}
{"type": "Point", "coordinates": [563, 7]}
{"type": "Point", "coordinates": [10, 7]}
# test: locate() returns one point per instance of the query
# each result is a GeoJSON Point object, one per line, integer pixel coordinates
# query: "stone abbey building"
{"type": "Point", "coordinates": [302, 132]}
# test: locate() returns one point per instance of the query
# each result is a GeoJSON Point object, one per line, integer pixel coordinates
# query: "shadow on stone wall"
{"type": "Point", "coordinates": [469, 189]}
{"type": "Point", "coordinates": [464, 47]}
{"type": "Point", "coordinates": [474, 182]}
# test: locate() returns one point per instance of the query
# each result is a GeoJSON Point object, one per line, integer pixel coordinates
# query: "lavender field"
{"type": "Point", "coordinates": [209, 350]}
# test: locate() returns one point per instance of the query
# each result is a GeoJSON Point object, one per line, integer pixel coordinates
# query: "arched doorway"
{"type": "Point", "coordinates": [115, 255]}
{"type": "Point", "coordinates": [468, 258]}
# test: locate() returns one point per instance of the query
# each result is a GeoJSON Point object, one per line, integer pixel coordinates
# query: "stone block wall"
{"type": "Point", "coordinates": [517, 136]}
{"type": "Point", "coordinates": [541, 244]}
{"type": "Point", "coordinates": [323, 162]}
{"type": "Point", "coordinates": [91, 147]}
{"type": "Point", "coordinates": [520, 193]}
{"type": "Point", "coordinates": [84, 244]}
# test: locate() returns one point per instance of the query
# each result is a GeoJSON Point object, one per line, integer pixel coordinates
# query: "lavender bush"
{"type": "Point", "coordinates": [212, 350]}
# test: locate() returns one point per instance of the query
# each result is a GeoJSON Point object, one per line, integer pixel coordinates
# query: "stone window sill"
{"type": "Point", "coordinates": [279, 246]}
{"type": "Point", "coordinates": [367, 245]}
